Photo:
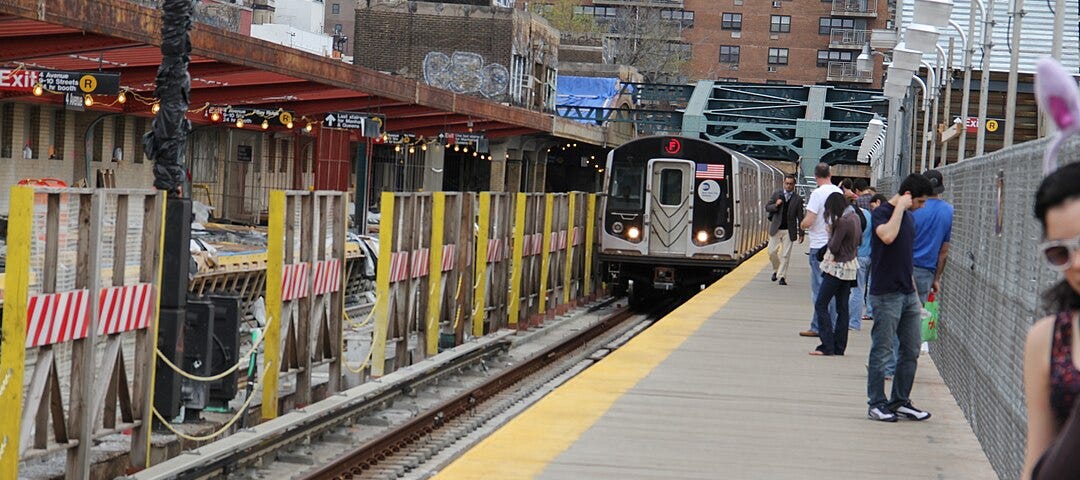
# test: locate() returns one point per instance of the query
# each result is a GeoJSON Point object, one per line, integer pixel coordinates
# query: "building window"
{"type": "Point", "coordinates": [780, 24]}
{"type": "Point", "coordinates": [335, 9]}
{"type": "Point", "coordinates": [729, 80]}
{"type": "Point", "coordinates": [7, 118]}
{"type": "Point", "coordinates": [59, 131]}
{"type": "Point", "coordinates": [826, 56]}
{"type": "Point", "coordinates": [33, 133]}
{"type": "Point", "coordinates": [775, 82]}
{"type": "Point", "coordinates": [137, 131]}
{"type": "Point", "coordinates": [119, 129]}
{"type": "Point", "coordinates": [550, 88]}
{"type": "Point", "coordinates": [731, 21]}
{"type": "Point", "coordinates": [729, 54]}
{"type": "Point", "coordinates": [778, 56]}
{"type": "Point", "coordinates": [826, 24]}
{"type": "Point", "coordinates": [99, 143]}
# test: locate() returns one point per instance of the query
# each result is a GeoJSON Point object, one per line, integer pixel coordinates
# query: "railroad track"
{"type": "Point", "coordinates": [406, 449]}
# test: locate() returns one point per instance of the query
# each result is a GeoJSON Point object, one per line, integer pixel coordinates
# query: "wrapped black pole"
{"type": "Point", "coordinates": [165, 145]}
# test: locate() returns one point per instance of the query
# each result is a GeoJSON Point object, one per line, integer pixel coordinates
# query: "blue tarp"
{"type": "Point", "coordinates": [584, 92]}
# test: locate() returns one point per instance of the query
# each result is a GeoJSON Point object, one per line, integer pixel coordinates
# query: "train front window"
{"type": "Point", "coordinates": [627, 185]}
{"type": "Point", "coordinates": [671, 183]}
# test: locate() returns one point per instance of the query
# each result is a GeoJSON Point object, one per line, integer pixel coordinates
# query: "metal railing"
{"type": "Point", "coordinates": [641, 3]}
{"type": "Point", "coordinates": [847, 72]}
{"type": "Point", "coordinates": [855, 8]}
{"type": "Point", "coordinates": [849, 38]}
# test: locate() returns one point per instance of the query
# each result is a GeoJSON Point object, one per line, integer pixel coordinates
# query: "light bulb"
{"type": "Point", "coordinates": [239, 123]}
{"type": "Point", "coordinates": [38, 90]}
{"type": "Point", "coordinates": [384, 137]}
{"type": "Point", "coordinates": [465, 149]}
{"type": "Point", "coordinates": [155, 107]}
{"type": "Point", "coordinates": [308, 127]}
{"type": "Point", "coordinates": [215, 117]}
{"type": "Point", "coordinates": [88, 100]}
{"type": "Point", "coordinates": [265, 125]}
{"type": "Point", "coordinates": [289, 125]}
{"type": "Point", "coordinates": [122, 97]}
{"type": "Point", "coordinates": [412, 149]}
{"type": "Point", "coordinates": [423, 147]}
{"type": "Point", "coordinates": [457, 148]}
{"type": "Point", "coordinates": [474, 153]}
{"type": "Point", "coordinates": [397, 148]}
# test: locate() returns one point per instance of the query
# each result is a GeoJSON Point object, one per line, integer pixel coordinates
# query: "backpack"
{"type": "Point", "coordinates": [862, 218]}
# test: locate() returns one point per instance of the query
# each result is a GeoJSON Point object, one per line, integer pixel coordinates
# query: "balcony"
{"type": "Point", "coordinates": [846, 72]}
{"type": "Point", "coordinates": [855, 8]}
{"type": "Point", "coordinates": [848, 38]}
{"type": "Point", "coordinates": [642, 3]}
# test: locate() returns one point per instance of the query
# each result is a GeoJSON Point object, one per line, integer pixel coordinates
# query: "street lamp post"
{"type": "Point", "coordinates": [969, 57]}
{"type": "Point", "coordinates": [984, 79]}
{"type": "Point", "coordinates": [1017, 13]}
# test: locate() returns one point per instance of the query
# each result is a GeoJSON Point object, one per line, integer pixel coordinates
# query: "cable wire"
{"type": "Point", "coordinates": [223, 429]}
{"type": "Point", "coordinates": [221, 375]}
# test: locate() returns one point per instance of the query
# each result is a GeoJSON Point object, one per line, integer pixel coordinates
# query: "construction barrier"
{"type": "Point", "coordinates": [534, 260]}
{"type": "Point", "coordinates": [83, 277]}
{"type": "Point", "coordinates": [305, 300]}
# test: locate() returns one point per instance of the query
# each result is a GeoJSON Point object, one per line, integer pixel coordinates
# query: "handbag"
{"type": "Point", "coordinates": [930, 319]}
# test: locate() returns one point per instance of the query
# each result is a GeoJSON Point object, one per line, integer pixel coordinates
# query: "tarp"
{"type": "Point", "coordinates": [584, 92]}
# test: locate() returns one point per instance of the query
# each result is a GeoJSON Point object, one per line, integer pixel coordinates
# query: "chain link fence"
{"type": "Point", "coordinates": [991, 291]}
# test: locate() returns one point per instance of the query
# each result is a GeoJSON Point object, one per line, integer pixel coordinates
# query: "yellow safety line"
{"type": "Point", "coordinates": [438, 222]}
{"type": "Point", "coordinates": [13, 329]}
{"type": "Point", "coordinates": [569, 250]}
{"type": "Point", "coordinates": [524, 447]}
{"type": "Point", "coordinates": [275, 268]}
{"type": "Point", "coordinates": [517, 262]}
{"type": "Point", "coordinates": [382, 283]}
{"type": "Point", "coordinates": [545, 254]}
{"type": "Point", "coordinates": [480, 293]}
{"type": "Point", "coordinates": [156, 323]}
{"type": "Point", "coordinates": [590, 220]}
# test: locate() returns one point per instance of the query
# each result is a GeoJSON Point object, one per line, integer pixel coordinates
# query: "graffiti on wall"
{"type": "Point", "coordinates": [466, 73]}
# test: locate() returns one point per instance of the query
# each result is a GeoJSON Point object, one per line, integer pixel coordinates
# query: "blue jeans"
{"type": "Point", "coordinates": [895, 315]}
{"type": "Point", "coordinates": [924, 279]}
{"type": "Point", "coordinates": [857, 300]}
{"type": "Point", "coordinates": [815, 286]}
{"type": "Point", "coordinates": [833, 290]}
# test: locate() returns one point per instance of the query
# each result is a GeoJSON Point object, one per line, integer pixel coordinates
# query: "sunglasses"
{"type": "Point", "coordinates": [1059, 253]}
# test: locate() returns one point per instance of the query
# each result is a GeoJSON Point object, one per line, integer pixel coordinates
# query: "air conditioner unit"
{"type": "Point", "coordinates": [774, 37]}
{"type": "Point", "coordinates": [777, 4]}
{"type": "Point", "coordinates": [734, 67]}
{"type": "Point", "coordinates": [771, 69]}
{"type": "Point", "coordinates": [736, 34]}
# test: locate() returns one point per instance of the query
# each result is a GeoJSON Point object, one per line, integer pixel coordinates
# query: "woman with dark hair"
{"type": "Point", "coordinates": [839, 269]}
{"type": "Point", "coordinates": [1051, 378]}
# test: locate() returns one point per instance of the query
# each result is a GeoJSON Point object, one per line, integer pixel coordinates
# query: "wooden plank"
{"type": "Point", "coordinates": [56, 406]}
{"type": "Point", "coordinates": [119, 253]}
{"type": "Point", "coordinates": [105, 393]}
{"type": "Point", "coordinates": [308, 234]}
{"type": "Point", "coordinates": [336, 318]}
{"type": "Point", "coordinates": [82, 366]}
{"type": "Point", "coordinates": [479, 313]}
{"type": "Point", "coordinates": [36, 395]}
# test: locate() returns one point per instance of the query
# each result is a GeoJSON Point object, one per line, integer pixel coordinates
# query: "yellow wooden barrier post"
{"type": "Point", "coordinates": [13, 341]}
{"type": "Point", "coordinates": [275, 268]}
{"type": "Point", "coordinates": [438, 222]}
{"type": "Point", "coordinates": [518, 260]}
{"type": "Point", "coordinates": [590, 220]}
{"type": "Point", "coordinates": [569, 252]}
{"type": "Point", "coordinates": [480, 299]}
{"type": "Point", "coordinates": [382, 283]}
{"type": "Point", "coordinates": [545, 254]}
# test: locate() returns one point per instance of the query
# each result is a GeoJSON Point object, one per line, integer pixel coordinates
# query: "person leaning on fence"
{"type": "Point", "coordinates": [1051, 379]}
{"type": "Point", "coordinates": [785, 208]}
{"type": "Point", "coordinates": [897, 311]}
{"type": "Point", "coordinates": [839, 269]}
{"type": "Point", "coordinates": [933, 230]}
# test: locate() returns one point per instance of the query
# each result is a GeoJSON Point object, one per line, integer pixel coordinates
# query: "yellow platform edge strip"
{"type": "Point", "coordinates": [525, 446]}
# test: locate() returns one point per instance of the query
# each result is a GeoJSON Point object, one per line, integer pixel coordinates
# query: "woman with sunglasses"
{"type": "Point", "coordinates": [1051, 376]}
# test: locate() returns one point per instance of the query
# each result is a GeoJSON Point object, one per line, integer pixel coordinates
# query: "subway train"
{"type": "Point", "coordinates": [679, 213]}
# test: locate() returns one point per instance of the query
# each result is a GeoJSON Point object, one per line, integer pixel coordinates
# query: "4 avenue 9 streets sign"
{"type": "Point", "coordinates": [59, 81]}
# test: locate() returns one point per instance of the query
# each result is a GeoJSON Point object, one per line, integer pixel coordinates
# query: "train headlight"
{"type": "Point", "coordinates": [617, 227]}
{"type": "Point", "coordinates": [702, 236]}
{"type": "Point", "coordinates": [633, 233]}
{"type": "Point", "coordinates": [719, 232]}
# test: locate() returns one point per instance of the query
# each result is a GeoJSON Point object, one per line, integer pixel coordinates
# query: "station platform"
{"type": "Point", "coordinates": [723, 387]}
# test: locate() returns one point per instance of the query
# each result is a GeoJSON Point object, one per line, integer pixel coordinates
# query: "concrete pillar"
{"type": "Point", "coordinates": [498, 167]}
{"type": "Point", "coordinates": [513, 170]}
{"type": "Point", "coordinates": [434, 165]}
{"type": "Point", "coordinates": [539, 182]}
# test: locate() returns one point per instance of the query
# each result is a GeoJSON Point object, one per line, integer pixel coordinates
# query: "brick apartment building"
{"type": "Point", "coordinates": [795, 42]}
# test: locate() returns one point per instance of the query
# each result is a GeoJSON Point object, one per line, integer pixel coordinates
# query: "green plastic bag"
{"type": "Point", "coordinates": [930, 319]}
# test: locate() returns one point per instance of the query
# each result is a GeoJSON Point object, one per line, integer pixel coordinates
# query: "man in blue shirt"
{"type": "Point", "coordinates": [933, 228]}
{"type": "Point", "coordinates": [896, 306]}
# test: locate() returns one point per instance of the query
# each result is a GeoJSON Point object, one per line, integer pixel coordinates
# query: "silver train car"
{"type": "Point", "coordinates": [680, 212]}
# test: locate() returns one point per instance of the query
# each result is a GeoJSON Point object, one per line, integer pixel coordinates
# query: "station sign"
{"type": "Point", "coordinates": [992, 125]}
{"type": "Point", "coordinates": [274, 117]}
{"type": "Point", "coordinates": [59, 81]}
{"type": "Point", "coordinates": [465, 138]}
{"type": "Point", "coordinates": [369, 125]}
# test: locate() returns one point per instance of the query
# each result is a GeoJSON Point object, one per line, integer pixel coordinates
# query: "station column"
{"type": "Point", "coordinates": [499, 174]}
{"type": "Point", "coordinates": [434, 164]}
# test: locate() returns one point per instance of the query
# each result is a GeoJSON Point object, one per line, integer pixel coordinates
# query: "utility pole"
{"type": "Point", "coordinates": [1017, 12]}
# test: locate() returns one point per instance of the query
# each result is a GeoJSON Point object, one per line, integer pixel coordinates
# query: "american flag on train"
{"type": "Point", "coordinates": [709, 170]}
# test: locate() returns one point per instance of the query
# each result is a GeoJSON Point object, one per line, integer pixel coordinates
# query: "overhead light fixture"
{"type": "Point", "coordinates": [457, 148]}
{"type": "Point", "coordinates": [239, 123]}
{"type": "Point", "coordinates": [122, 97]}
{"type": "Point", "coordinates": [308, 127]}
{"type": "Point", "coordinates": [465, 149]}
{"type": "Point", "coordinates": [397, 148]}
{"type": "Point", "coordinates": [289, 125]}
{"type": "Point", "coordinates": [265, 125]}
{"type": "Point", "coordinates": [38, 90]}
{"type": "Point", "coordinates": [215, 117]}
{"type": "Point", "coordinates": [933, 12]}
{"type": "Point", "coordinates": [412, 149]}
{"type": "Point", "coordinates": [88, 100]}
{"type": "Point", "coordinates": [906, 58]}
{"type": "Point", "coordinates": [155, 107]}
{"type": "Point", "coordinates": [423, 147]}
{"type": "Point", "coordinates": [921, 37]}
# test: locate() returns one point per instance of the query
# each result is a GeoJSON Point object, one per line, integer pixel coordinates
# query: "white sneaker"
{"type": "Point", "coordinates": [881, 414]}
{"type": "Point", "coordinates": [909, 412]}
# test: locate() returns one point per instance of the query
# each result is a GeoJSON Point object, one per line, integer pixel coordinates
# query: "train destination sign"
{"type": "Point", "coordinates": [59, 81]}
{"type": "Point", "coordinates": [346, 120]}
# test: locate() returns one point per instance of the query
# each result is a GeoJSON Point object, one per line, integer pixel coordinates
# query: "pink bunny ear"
{"type": "Point", "coordinates": [1057, 94]}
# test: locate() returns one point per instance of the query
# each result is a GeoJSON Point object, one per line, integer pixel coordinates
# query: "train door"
{"type": "Point", "coordinates": [670, 209]}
